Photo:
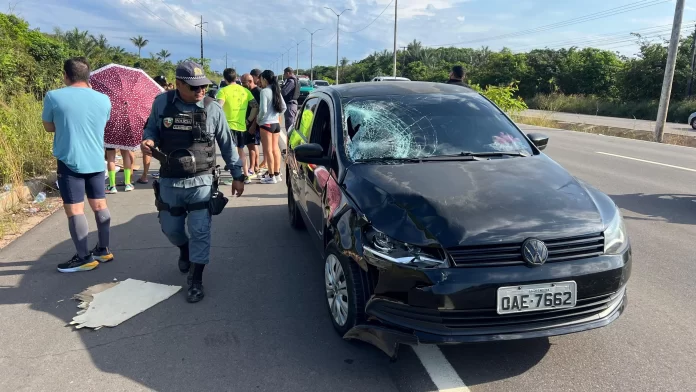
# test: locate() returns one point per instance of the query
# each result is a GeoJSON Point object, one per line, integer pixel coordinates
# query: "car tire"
{"type": "Point", "coordinates": [294, 211]}
{"type": "Point", "coordinates": [693, 123]}
{"type": "Point", "coordinates": [348, 296]}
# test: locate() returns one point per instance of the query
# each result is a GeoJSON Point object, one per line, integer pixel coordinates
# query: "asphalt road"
{"type": "Point", "coordinates": [640, 125]}
{"type": "Point", "coordinates": [263, 325]}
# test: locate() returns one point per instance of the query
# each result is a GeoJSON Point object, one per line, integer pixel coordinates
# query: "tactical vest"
{"type": "Point", "coordinates": [190, 150]}
{"type": "Point", "coordinates": [296, 93]}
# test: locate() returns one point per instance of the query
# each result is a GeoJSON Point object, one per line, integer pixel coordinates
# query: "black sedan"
{"type": "Point", "coordinates": [439, 221]}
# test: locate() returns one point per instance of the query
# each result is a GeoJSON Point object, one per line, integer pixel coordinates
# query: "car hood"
{"type": "Point", "coordinates": [456, 203]}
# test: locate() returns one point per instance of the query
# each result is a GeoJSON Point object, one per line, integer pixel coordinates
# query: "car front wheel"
{"type": "Point", "coordinates": [693, 123]}
{"type": "Point", "coordinates": [344, 291]}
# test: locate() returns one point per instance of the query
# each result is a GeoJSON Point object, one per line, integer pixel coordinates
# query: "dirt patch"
{"type": "Point", "coordinates": [668, 138]}
{"type": "Point", "coordinates": [26, 215]}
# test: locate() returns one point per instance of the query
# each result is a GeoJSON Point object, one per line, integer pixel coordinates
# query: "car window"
{"type": "Point", "coordinates": [304, 82]}
{"type": "Point", "coordinates": [427, 125]}
{"type": "Point", "coordinates": [321, 128]}
{"type": "Point", "coordinates": [303, 124]}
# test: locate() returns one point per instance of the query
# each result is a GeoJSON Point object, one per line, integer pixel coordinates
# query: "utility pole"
{"type": "Point", "coordinates": [693, 63]}
{"type": "Point", "coordinates": [202, 29]}
{"type": "Point", "coordinates": [338, 23]}
{"type": "Point", "coordinates": [669, 71]}
{"type": "Point", "coordinates": [225, 60]}
{"type": "Point", "coordinates": [396, 6]}
{"type": "Point", "coordinates": [311, 53]}
{"type": "Point", "coordinates": [297, 56]}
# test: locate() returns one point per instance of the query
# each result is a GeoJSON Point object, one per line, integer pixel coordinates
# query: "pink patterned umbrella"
{"type": "Point", "coordinates": [131, 92]}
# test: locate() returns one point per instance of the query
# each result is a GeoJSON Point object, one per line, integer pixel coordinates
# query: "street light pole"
{"type": "Point", "coordinates": [669, 71]}
{"type": "Point", "coordinates": [297, 55]}
{"type": "Point", "coordinates": [396, 3]}
{"type": "Point", "coordinates": [338, 23]}
{"type": "Point", "coordinates": [311, 53]}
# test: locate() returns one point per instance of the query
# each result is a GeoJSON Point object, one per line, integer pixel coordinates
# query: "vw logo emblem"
{"type": "Point", "coordinates": [534, 252]}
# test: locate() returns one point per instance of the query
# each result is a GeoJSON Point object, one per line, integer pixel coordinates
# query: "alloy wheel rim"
{"type": "Point", "coordinates": [336, 290]}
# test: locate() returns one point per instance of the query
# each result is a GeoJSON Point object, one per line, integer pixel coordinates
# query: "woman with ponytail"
{"type": "Point", "coordinates": [271, 106]}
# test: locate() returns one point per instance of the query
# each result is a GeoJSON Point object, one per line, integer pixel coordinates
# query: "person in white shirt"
{"type": "Point", "coordinates": [271, 107]}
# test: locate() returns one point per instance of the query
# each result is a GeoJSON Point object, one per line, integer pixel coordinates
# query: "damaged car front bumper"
{"type": "Point", "coordinates": [458, 305]}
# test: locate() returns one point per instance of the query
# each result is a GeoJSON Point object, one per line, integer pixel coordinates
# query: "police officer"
{"type": "Point", "coordinates": [181, 132]}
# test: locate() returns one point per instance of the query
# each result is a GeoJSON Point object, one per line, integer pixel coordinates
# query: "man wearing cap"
{"type": "Point", "coordinates": [184, 125]}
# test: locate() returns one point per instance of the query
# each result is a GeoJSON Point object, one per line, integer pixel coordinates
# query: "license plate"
{"type": "Point", "coordinates": [534, 297]}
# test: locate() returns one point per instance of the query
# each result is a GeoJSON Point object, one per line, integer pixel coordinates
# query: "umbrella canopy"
{"type": "Point", "coordinates": [131, 92]}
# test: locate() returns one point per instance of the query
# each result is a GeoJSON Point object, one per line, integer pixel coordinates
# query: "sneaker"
{"type": "Point", "coordinates": [129, 187]}
{"type": "Point", "coordinates": [269, 180]}
{"type": "Point", "coordinates": [102, 255]}
{"type": "Point", "coordinates": [247, 180]}
{"type": "Point", "coordinates": [250, 172]}
{"type": "Point", "coordinates": [78, 264]}
{"type": "Point", "coordinates": [279, 178]}
{"type": "Point", "coordinates": [111, 190]}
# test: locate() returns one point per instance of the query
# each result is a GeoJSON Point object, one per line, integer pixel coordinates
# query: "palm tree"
{"type": "Point", "coordinates": [163, 54]}
{"type": "Point", "coordinates": [139, 43]}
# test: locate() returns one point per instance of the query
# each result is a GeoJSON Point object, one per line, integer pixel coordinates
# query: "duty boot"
{"type": "Point", "coordinates": [184, 262]}
{"type": "Point", "coordinates": [195, 283]}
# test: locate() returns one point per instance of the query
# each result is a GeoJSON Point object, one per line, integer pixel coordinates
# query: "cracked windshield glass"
{"type": "Point", "coordinates": [428, 125]}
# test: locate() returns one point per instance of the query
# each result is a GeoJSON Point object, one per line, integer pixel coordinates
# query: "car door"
{"type": "Point", "coordinates": [317, 177]}
{"type": "Point", "coordinates": [300, 135]}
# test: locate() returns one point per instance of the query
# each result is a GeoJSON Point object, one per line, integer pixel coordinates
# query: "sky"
{"type": "Point", "coordinates": [254, 34]}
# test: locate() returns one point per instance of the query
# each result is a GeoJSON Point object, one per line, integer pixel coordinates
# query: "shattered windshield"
{"type": "Point", "coordinates": [427, 125]}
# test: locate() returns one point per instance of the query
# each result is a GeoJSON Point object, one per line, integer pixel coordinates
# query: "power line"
{"type": "Point", "coordinates": [174, 11]}
{"type": "Point", "coordinates": [586, 18]}
{"type": "Point", "coordinates": [373, 21]}
{"type": "Point", "coordinates": [143, 6]}
{"type": "Point", "coordinates": [330, 41]}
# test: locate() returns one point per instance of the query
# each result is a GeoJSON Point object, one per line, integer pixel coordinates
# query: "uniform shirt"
{"type": "Point", "coordinates": [216, 125]}
{"type": "Point", "coordinates": [237, 99]}
{"type": "Point", "coordinates": [79, 115]}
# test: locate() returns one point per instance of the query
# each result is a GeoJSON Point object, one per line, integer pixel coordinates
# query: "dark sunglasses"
{"type": "Point", "coordinates": [197, 88]}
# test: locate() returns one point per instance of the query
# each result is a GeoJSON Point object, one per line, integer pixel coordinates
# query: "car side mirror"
{"type": "Point", "coordinates": [311, 153]}
{"type": "Point", "coordinates": [539, 140]}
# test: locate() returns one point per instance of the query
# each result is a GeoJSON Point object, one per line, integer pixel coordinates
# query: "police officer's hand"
{"type": "Point", "coordinates": [237, 188]}
{"type": "Point", "coordinates": [146, 146]}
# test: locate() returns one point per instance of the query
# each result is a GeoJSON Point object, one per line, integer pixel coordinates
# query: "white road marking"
{"type": "Point", "coordinates": [643, 160]}
{"type": "Point", "coordinates": [440, 370]}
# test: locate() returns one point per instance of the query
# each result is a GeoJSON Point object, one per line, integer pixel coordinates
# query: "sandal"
{"type": "Point", "coordinates": [141, 181]}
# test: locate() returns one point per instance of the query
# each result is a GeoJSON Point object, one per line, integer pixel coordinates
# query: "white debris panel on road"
{"type": "Point", "coordinates": [110, 304]}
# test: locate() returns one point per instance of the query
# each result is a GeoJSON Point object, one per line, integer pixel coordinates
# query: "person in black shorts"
{"type": "Point", "coordinates": [253, 136]}
{"type": "Point", "coordinates": [78, 113]}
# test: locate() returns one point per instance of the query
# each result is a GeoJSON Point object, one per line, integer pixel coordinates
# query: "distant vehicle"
{"type": "Point", "coordinates": [390, 79]}
{"type": "Point", "coordinates": [320, 83]}
{"type": "Point", "coordinates": [306, 87]}
{"type": "Point", "coordinates": [692, 120]}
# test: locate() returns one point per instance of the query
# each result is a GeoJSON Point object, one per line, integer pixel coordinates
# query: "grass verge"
{"type": "Point", "coordinates": [668, 138]}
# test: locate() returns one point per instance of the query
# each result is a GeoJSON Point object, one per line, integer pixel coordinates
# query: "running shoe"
{"type": "Point", "coordinates": [111, 190]}
{"type": "Point", "coordinates": [103, 255]}
{"type": "Point", "coordinates": [78, 264]}
{"type": "Point", "coordinates": [129, 187]}
{"type": "Point", "coordinates": [269, 180]}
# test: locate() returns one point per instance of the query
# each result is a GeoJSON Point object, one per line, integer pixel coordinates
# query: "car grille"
{"type": "Point", "coordinates": [479, 318]}
{"type": "Point", "coordinates": [511, 254]}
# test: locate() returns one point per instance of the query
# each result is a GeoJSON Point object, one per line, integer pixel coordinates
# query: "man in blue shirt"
{"type": "Point", "coordinates": [184, 125]}
{"type": "Point", "coordinates": [77, 115]}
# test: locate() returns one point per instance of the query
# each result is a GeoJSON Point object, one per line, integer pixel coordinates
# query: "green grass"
{"type": "Point", "coordinates": [678, 112]}
{"type": "Point", "coordinates": [25, 147]}
{"type": "Point", "coordinates": [679, 140]}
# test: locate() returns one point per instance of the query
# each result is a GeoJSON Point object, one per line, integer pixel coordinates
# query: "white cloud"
{"type": "Point", "coordinates": [461, 18]}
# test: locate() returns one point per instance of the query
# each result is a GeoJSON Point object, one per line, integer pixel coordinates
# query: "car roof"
{"type": "Point", "coordinates": [366, 89]}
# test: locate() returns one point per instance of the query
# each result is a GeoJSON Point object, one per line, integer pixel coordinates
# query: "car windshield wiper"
{"type": "Point", "coordinates": [470, 154]}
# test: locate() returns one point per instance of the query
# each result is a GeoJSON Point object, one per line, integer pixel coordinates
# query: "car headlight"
{"type": "Point", "coordinates": [615, 236]}
{"type": "Point", "coordinates": [385, 249]}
